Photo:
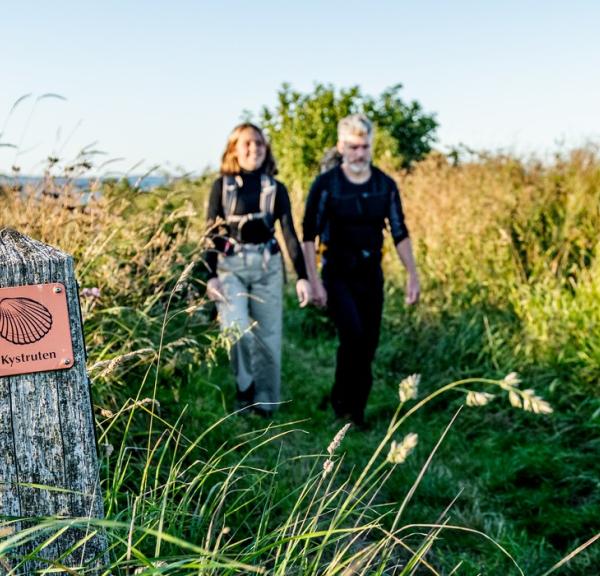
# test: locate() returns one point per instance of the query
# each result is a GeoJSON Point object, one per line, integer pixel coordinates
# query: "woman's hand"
{"type": "Point", "coordinates": [214, 290]}
{"type": "Point", "coordinates": [303, 291]}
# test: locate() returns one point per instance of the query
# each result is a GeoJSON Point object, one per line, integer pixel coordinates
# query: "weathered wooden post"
{"type": "Point", "coordinates": [48, 459]}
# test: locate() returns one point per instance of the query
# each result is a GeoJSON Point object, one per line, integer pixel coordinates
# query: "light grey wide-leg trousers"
{"type": "Point", "coordinates": [252, 317]}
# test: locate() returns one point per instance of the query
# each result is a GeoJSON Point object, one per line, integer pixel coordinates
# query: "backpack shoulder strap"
{"type": "Point", "coordinates": [229, 195]}
{"type": "Point", "coordinates": [336, 182]}
{"type": "Point", "coordinates": [268, 192]}
{"type": "Point", "coordinates": [380, 182]}
{"type": "Point", "coordinates": [332, 189]}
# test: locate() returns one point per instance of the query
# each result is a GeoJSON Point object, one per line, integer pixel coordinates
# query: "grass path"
{"type": "Point", "coordinates": [529, 481]}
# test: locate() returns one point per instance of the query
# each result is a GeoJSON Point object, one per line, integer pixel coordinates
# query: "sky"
{"type": "Point", "coordinates": [146, 83]}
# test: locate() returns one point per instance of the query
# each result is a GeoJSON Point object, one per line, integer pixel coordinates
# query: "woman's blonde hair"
{"type": "Point", "coordinates": [229, 161]}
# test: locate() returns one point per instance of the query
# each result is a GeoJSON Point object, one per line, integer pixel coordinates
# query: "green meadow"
{"type": "Point", "coordinates": [487, 463]}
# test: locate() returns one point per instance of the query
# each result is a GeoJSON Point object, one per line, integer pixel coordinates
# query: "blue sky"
{"type": "Point", "coordinates": [164, 82]}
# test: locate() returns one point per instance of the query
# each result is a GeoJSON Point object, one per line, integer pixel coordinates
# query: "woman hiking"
{"type": "Point", "coordinates": [245, 267]}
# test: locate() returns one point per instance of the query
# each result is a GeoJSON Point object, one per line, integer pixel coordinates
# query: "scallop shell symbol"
{"type": "Point", "coordinates": [23, 321]}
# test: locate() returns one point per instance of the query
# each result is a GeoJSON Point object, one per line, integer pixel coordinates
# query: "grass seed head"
{"type": "Point", "coordinates": [511, 380]}
{"type": "Point", "coordinates": [184, 276]}
{"type": "Point", "coordinates": [327, 467]}
{"type": "Point", "coordinates": [479, 398]}
{"type": "Point", "coordinates": [337, 440]}
{"type": "Point", "coordinates": [409, 387]}
{"type": "Point", "coordinates": [399, 452]}
{"type": "Point", "coordinates": [533, 403]}
{"type": "Point", "coordinates": [515, 400]}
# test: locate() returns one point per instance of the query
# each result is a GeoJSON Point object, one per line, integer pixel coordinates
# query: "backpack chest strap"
{"type": "Point", "coordinates": [230, 194]}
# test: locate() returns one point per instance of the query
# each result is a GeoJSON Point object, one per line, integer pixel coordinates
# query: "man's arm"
{"type": "Point", "coordinates": [310, 232]}
{"type": "Point", "coordinates": [403, 246]}
{"type": "Point", "coordinates": [319, 295]}
{"type": "Point", "coordinates": [413, 288]}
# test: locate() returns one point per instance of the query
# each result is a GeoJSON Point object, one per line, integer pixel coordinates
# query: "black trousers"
{"type": "Point", "coordinates": [355, 303]}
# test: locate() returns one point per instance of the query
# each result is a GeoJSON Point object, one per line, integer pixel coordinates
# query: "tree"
{"type": "Point", "coordinates": [303, 127]}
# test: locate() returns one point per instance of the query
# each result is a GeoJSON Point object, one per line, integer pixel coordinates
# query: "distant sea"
{"type": "Point", "coordinates": [84, 184]}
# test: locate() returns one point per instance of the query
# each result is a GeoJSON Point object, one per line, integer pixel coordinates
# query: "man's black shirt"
{"type": "Point", "coordinates": [356, 214]}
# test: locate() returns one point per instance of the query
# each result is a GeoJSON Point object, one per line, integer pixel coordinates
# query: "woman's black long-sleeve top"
{"type": "Point", "coordinates": [255, 232]}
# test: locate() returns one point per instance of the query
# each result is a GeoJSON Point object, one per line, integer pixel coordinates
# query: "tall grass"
{"type": "Point", "coordinates": [508, 258]}
{"type": "Point", "coordinates": [520, 238]}
{"type": "Point", "coordinates": [176, 509]}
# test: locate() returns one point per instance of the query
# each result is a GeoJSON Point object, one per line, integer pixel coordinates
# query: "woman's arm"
{"type": "Point", "coordinates": [283, 209]}
{"type": "Point", "coordinates": [214, 211]}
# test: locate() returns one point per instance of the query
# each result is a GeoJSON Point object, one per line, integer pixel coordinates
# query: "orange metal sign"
{"type": "Point", "coordinates": [35, 335]}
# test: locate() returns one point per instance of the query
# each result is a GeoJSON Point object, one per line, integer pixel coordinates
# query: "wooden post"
{"type": "Point", "coordinates": [48, 459]}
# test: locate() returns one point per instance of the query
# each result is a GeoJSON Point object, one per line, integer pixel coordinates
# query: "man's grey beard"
{"type": "Point", "coordinates": [357, 167]}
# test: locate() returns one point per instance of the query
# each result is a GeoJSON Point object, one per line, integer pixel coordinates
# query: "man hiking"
{"type": "Point", "coordinates": [348, 208]}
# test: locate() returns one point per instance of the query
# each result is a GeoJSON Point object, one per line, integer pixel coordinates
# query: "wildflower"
{"type": "Point", "coordinates": [337, 440]}
{"type": "Point", "coordinates": [92, 293]}
{"type": "Point", "coordinates": [327, 467]}
{"type": "Point", "coordinates": [409, 387]}
{"type": "Point", "coordinates": [400, 452]}
{"type": "Point", "coordinates": [479, 398]}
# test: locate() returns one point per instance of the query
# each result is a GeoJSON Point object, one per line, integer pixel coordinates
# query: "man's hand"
{"type": "Point", "coordinates": [319, 294]}
{"type": "Point", "coordinates": [303, 292]}
{"type": "Point", "coordinates": [413, 289]}
{"type": "Point", "coordinates": [214, 290]}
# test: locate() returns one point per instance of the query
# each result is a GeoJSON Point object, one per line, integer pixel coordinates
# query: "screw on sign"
{"type": "Point", "coordinates": [35, 334]}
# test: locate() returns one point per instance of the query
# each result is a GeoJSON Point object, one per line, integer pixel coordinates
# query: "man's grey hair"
{"type": "Point", "coordinates": [354, 125]}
